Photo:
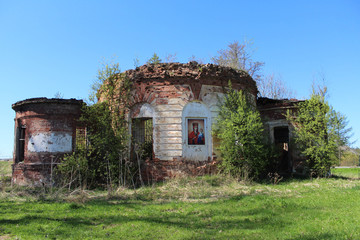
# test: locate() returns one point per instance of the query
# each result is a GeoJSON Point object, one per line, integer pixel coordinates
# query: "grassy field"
{"type": "Point", "coordinates": [5, 168]}
{"type": "Point", "coordinates": [190, 208]}
{"type": "Point", "coordinates": [346, 172]}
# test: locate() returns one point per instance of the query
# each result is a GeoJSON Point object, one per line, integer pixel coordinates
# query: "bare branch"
{"type": "Point", "coordinates": [274, 87]}
{"type": "Point", "coordinates": [169, 58]}
{"type": "Point", "coordinates": [193, 58]}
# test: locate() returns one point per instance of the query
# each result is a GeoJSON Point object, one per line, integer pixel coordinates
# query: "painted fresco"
{"type": "Point", "coordinates": [196, 135]}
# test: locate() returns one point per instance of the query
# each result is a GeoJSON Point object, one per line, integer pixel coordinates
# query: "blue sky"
{"type": "Point", "coordinates": [57, 46]}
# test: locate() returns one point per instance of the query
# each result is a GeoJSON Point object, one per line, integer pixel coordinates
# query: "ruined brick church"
{"type": "Point", "coordinates": [180, 103]}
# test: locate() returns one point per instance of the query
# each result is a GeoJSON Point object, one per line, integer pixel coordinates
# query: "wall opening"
{"type": "Point", "coordinates": [20, 148]}
{"type": "Point", "coordinates": [142, 137]}
{"type": "Point", "coordinates": [281, 140]}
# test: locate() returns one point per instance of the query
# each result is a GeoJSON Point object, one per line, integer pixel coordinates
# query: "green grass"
{"type": "Point", "coordinates": [5, 168]}
{"type": "Point", "coordinates": [5, 174]}
{"type": "Point", "coordinates": [193, 208]}
{"type": "Point", "coordinates": [346, 172]}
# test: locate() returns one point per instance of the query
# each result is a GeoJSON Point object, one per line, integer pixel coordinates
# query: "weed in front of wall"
{"type": "Point", "coordinates": [275, 178]}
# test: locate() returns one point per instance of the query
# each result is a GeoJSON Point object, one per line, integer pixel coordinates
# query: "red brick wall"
{"type": "Point", "coordinates": [158, 170]}
{"type": "Point", "coordinates": [43, 116]}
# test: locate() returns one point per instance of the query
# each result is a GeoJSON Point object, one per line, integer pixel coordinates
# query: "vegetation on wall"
{"type": "Point", "coordinates": [155, 59]}
{"type": "Point", "coordinates": [104, 160]}
{"type": "Point", "coordinates": [109, 159]}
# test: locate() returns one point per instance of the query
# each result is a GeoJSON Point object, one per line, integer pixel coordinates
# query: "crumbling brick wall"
{"type": "Point", "coordinates": [273, 113]}
{"type": "Point", "coordinates": [45, 130]}
{"type": "Point", "coordinates": [162, 92]}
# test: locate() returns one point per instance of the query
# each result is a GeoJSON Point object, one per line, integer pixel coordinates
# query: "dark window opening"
{"type": "Point", "coordinates": [281, 140]}
{"type": "Point", "coordinates": [21, 144]}
{"type": "Point", "coordinates": [142, 138]}
{"type": "Point", "coordinates": [281, 134]}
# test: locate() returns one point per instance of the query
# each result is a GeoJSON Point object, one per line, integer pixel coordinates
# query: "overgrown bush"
{"type": "Point", "coordinates": [104, 160]}
{"type": "Point", "coordinates": [74, 170]}
{"type": "Point", "coordinates": [315, 134]}
{"type": "Point", "coordinates": [239, 127]}
{"type": "Point", "coordinates": [350, 158]}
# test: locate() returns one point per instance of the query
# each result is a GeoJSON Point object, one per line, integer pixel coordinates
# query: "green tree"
{"type": "Point", "coordinates": [154, 59]}
{"type": "Point", "coordinates": [350, 156]}
{"type": "Point", "coordinates": [314, 132]}
{"type": "Point", "coordinates": [342, 132]}
{"type": "Point", "coordinates": [240, 131]}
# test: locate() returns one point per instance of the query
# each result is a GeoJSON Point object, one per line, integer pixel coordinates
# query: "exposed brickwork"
{"type": "Point", "coordinates": [275, 109]}
{"type": "Point", "coordinates": [170, 80]}
{"type": "Point", "coordinates": [33, 173]}
{"type": "Point", "coordinates": [168, 88]}
{"type": "Point", "coordinates": [49, 127]}
{"type": "Point", "coordinates": [168, 93]}
{"type": "Point", "coordinates": [158, 170]}
{"type": "Point", "coordinates": [273, 112]}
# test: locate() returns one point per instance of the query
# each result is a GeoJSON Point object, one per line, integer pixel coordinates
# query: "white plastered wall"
{"type": "Point", "coordinates": [50, 142]}
{"type": "Point", "coordinates": [197, 110]}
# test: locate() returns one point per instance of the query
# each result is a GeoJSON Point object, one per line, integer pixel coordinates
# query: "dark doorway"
{"type": "Point", "coordinates": [281, 140]}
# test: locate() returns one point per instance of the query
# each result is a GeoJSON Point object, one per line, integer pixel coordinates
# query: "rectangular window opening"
{"type": "Point", "coordinates": [21, 143]}
{"type": "Point", "coordinates": [80, 137]}
{"type": "Point", "coordinates": [142, 138]}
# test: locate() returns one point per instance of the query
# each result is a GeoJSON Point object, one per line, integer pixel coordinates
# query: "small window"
{"type": "Point", "coordinates": [142, 129]}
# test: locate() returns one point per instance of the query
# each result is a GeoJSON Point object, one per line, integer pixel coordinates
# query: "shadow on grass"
{"type": "Point", "coordinates": [303, 178]}
{"type": "Point", "coordinates": [342, 177]}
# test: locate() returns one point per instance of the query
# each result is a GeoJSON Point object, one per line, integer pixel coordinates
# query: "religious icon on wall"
{"type": "Point", "coordinates": [196, 134]}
